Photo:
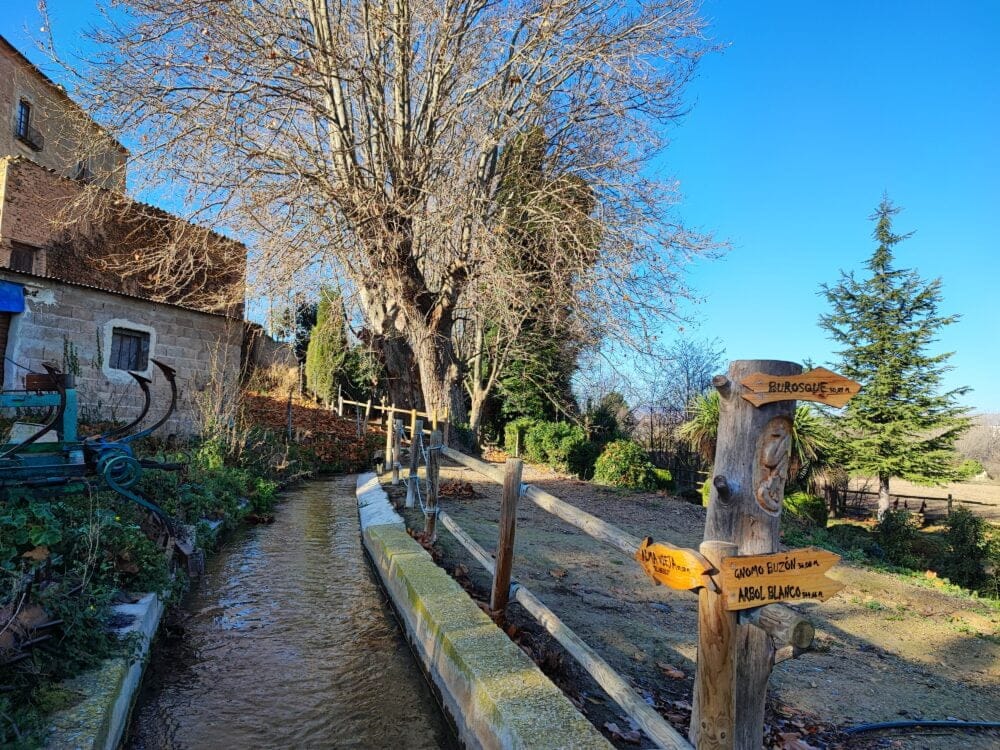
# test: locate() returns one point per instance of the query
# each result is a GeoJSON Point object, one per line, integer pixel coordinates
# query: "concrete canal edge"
{"type": "Point", "coordinates": [99, 720]}
{"type": "Point", "coordinates": [495, 694]}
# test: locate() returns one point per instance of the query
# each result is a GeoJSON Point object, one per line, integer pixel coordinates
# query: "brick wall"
{"type": "Point", "coordinates": [65, 322]}
{"type": "Point", "coordinates": [103, 239]}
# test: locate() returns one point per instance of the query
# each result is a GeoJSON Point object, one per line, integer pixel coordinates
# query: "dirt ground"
{"type": "Point", "coordinates": [886, 649]}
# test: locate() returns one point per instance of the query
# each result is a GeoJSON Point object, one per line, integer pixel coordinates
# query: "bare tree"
{"type": "Point", "coordinates": [366, 137]}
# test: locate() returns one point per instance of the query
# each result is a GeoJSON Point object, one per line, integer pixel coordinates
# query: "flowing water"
{"type": "Point", "coordinates": [288, 642]}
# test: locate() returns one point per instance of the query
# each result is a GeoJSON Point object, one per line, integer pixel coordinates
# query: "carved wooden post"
{"type": "Point", "coordinates": [397, 433]}
{"type": "Point", "coordinates": [433, 469]}
{"type": "Point", "coordinates": [748, 486]}
{"type": "Point", "coordinates": [712, 716]}
{"type": "Point", "coordinates": [411, 478]}
{"type": "Point", "coordinates": [505, 543]}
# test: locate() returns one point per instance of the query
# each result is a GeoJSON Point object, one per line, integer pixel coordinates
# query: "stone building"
{"type": "Point", "coordinates": [100, 284]}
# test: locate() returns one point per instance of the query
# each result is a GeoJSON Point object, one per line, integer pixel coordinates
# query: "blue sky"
{"type": "Point", "coordinates": [795, 131]}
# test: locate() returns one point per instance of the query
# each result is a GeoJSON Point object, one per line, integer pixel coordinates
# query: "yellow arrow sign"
{"type": "Point", "coordinates": [677, 567]}
{"type": "Point", "coordinates": [819, 385]}
{"type": "Point", "coordinates": [797, 575]}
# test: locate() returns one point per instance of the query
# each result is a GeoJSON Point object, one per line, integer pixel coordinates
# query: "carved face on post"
{"type": "Point", "coordinates": [774, 449]}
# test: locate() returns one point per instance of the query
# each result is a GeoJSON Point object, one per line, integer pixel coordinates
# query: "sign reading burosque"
{"type": "Point", "coordinates": [793, 576]}
{"type": "Point", "coordinates": [820, 385]}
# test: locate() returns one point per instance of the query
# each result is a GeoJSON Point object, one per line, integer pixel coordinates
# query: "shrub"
{"type": "Point", "coordinates": [510, 430]}
{"type": "Point", "coordinates": [896, 535]}
{"type": "Point", "coordinates": [706, 490]}
{"type": "Point", "coordinates": [968, 469]}
{"type": "Point", "coordinates": [562, 446]}
{"type": "Point", "coordinates": [664, 479]}
{"type": "Point", "coordinates": [967, 549]}
{"type": "Point", "coordinates": [534, 439]}
{"type": "Point", "coordinates": [581, 454]}
{"type": "Point", "coordinates": [624, 463]}
{"type": "Point", "coordinates": [806, 508]}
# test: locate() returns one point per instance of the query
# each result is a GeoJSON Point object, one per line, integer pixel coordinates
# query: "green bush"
{"type": "Point", "coordinates": [624, 463]}
{"type": "Point", "coordinates": [897, 534]}
{"type": "Point", "coordinates": [967, 549]}
{"type": "Point", "coordinates": [581, 454]}
{"type": "Point", "coordinates": [806, 508]}
{"type": "Point", "coordinates": [510, 430]}
{"type": "Point", "coordinates": [969, 468]}
{"type": "Point", "coordinates": [561, 445]}
{"type": "Point", "coordinates": [664, 479]}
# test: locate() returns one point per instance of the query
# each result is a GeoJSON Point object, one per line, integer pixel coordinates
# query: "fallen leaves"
{"type": "Point", "coordinates": [670, 671]}
{"type": "Point", "coordinates": [631, 736]}
{"type": "Point", "coordinates": [456, 489]}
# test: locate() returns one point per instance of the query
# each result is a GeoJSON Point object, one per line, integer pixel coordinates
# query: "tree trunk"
{"type": "Point", "coordinates": [883, 495]}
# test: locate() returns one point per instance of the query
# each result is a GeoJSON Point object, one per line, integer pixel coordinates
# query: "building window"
{"type": "Point", "coordinates": [23, 129]}
{"type": "Point", "coordinates": [83, 173]}
{"type": "Point", "coordinates": [22, 257]}
{"type": "Point", "coordinates": [129, 349]}
{"type": "Point", "coordinates": [23, 119]}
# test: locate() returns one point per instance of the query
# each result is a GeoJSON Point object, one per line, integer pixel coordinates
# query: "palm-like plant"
{"type": "Point", "coordinates": [813, 440]}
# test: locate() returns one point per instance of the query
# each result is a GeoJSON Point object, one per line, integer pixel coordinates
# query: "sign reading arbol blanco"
{"type": "Point", "coordinates": [819, 385]}
{"type": "Point", "coordinates": [793, 576]}
{"type": "Point", "coordinates": [677, 567]}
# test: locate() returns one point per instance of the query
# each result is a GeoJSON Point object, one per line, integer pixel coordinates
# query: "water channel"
{"type": "Point", "coordinates": [288, 642]}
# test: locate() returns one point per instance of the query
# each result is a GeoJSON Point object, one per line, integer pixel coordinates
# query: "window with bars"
{"type": "Point", "coordinates": [129, 349]}
{"type": "Point", "coordinates": [22, 257]}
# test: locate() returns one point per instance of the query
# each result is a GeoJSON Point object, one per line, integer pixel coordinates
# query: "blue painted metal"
{"type": "Point", "coordinates": [70, 463]}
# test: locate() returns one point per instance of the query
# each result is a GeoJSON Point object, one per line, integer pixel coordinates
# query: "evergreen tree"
{"type": "Point", "coordinates": [327, 349]}
{"type": "Point", "coordinates": [899, 425]}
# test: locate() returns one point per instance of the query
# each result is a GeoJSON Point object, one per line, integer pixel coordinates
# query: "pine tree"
{"type": "Point", "coordinates": [899, 425]}
{"type": "Point", "coordinates": [327, 347]}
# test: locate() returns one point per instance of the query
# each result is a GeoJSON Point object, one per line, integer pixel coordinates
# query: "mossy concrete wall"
{"type": "Point", "coordinates": [98, 720]}
{"type": "Point", "coordinates": [497, 696]}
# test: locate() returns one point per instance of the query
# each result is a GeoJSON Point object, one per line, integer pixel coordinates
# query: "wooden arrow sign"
{"type": "Point", "coordinates": [819, 385]}
{"type": "Point", "coordinates": [677, 567]}
{"type": "Point", "coordinates": [793, 576]}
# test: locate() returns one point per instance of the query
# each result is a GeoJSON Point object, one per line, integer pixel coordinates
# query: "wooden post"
{"type": "Point", "coordinates": [396, 447]}
{"type": "Point", "coordinates": [747, 489]}
{"type": "Point", "coordinates": [340, 402]}
{"type": "Point", "coordinates": [505, 543]}
{"type": "Point", "coordinates": [949, 505]}
{"type": "Point", "coordinates": [412, 478]}
{"type": "Point", "coordinates": [413, 423]}
{"type": "Point", "coordinates": [713, 717]}
{"type": "Point", "coordinates": [388, 435]}
{"type": "Point", "coordinates": [434, 419]}
{"type": "Point", "coordinates": [433, 475]}
{"type": "Point", "coordinates": [368, 412]}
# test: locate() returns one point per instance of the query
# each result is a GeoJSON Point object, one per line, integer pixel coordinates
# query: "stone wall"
{"type": "Point", "coordinates": [71, 326]}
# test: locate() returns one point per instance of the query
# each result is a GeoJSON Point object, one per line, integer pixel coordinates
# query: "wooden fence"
{"type": "Point", "coordinates": [864, 503]}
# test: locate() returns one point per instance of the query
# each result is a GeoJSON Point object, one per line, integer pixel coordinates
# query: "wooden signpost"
{"type": "Point", "coordinates": [675, 567]}
{"type": "Point", "coordinates": [797, 575]}
{"type": "Point", "coordinates": [818, 385]}
{"type": "Point", "coordinates": [742, 629]}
